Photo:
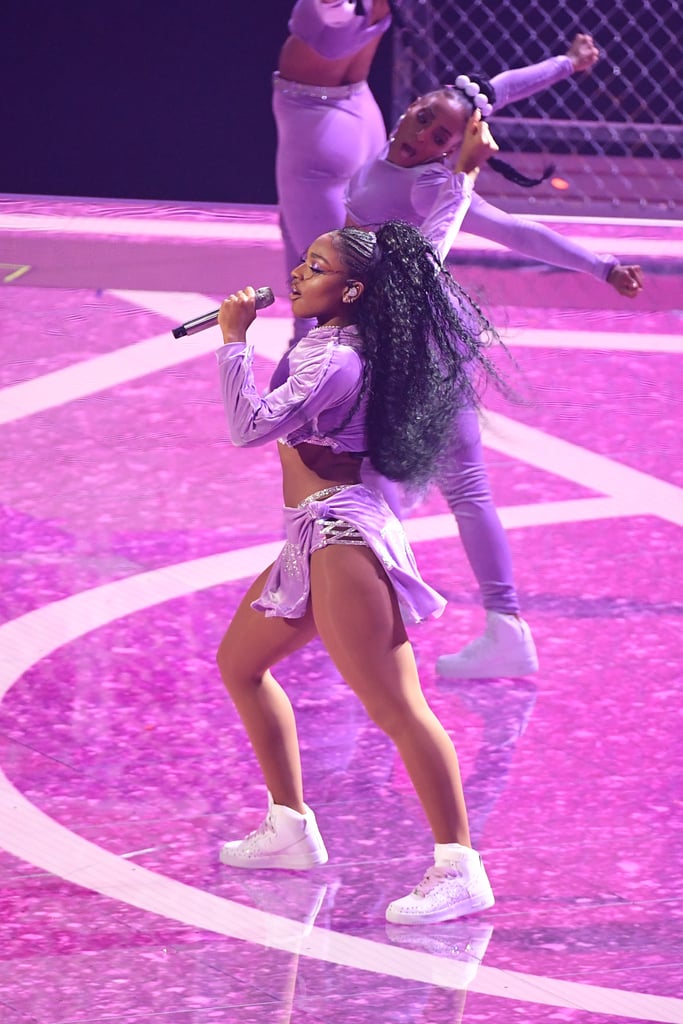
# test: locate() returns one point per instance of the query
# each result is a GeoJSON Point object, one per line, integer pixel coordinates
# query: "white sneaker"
{"type": "Point", "coordinates": [449, 889]}
{"type": "Point", "coordinates": [506, 648]}
{"type": "Point", "coordinates": [285, 839]}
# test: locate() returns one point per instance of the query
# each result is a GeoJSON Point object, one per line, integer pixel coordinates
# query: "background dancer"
{"type": "Point", "coordinates": [323, 106]}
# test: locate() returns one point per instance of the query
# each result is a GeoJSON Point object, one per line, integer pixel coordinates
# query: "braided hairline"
{"type": "Point", "coordinates": [359, 249]}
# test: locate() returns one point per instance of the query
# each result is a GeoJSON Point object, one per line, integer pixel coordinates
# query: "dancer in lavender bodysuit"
{"type": "Point", "coordinates": [388, 363]}
{"type": "Point", "coordinates": [327, 121]}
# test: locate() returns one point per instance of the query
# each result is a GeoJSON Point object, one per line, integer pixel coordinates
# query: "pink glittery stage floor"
{"type": "Point", "coordinates": [129, 530]}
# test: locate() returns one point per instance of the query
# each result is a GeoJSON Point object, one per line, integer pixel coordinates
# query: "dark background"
{"type": "Point", "coordinates": [171, 99]}
{"type": "Point", "coordinates": [144, 100]}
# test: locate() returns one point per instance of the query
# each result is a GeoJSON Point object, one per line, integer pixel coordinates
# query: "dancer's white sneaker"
{"type": "Point", "coordinates": [455, 886]}
{"type": "Point", "coordinates": [506, 648]}
{"type": "Point", "coordinates": [284, 839]}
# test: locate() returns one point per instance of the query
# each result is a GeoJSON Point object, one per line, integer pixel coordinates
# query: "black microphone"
{"type": "Point", "coordinates": [264, 297]}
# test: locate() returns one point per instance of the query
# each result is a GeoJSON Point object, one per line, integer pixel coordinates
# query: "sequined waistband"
{"type": "Point", "coordinates": [320, 92]}
{"type": "Point", "coordinates": [326, 492]}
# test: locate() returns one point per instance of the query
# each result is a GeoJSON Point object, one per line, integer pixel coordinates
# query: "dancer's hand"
{"type": "Point", "coordinates": [583, 53]}
{"type": "Point", "coordinates": [477, 146]}
{"type": "Point", "coordinates": [237, 312]}
{"type": "Point", "coordinates": [627, 280]}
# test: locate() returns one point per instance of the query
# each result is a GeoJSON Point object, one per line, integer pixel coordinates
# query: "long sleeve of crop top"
{"type": "Point", "coordinates": [322, 385]}
{"type": "Point", "coordinates": [533, 239]}
{"type": "Point", "coordinates": [519, 83]}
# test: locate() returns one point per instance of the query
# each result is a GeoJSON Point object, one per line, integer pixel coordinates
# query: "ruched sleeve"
{"type": "Point", "coordinates": [324, 377]}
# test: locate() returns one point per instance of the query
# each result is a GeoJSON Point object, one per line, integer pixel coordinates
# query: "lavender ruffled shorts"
{"type": "Point", "coordinates": [348, 514]}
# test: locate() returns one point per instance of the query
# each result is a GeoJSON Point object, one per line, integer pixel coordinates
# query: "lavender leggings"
{"type": "Point", "coordinates": [464, 483]}
{"type": "Point", "coordinates": [324, 135]}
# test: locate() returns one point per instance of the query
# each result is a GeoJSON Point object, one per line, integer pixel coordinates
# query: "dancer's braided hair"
{"type": "Point", "coordinates": [471, 99]}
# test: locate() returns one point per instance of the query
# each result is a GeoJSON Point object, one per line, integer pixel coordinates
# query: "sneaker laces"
{"type": "Point", "coordinates": [265, 828]}
{"type": "Point", "coordinates": [433, 877]}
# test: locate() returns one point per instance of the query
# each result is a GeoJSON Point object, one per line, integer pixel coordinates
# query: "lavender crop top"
{"type": "Point", "coordinates": [310, 22]}
{"type": "Point", "coordinates": [325, 375]}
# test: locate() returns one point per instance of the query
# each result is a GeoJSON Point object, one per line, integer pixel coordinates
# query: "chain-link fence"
{"type": "Point", "coordinates": [614, 134]}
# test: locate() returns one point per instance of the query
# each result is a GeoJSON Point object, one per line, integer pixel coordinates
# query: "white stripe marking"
{"type": "Point", "coordinates": [544, 513]}
{"type": "Point", "coordinates": [232, 229]}
{"type": "Point", "coordinates": [270, 339]}
{"type": "Point", "coordinates": [606, 341]}
{"type": "Point", "coordinates": [638, 493]}
{"type": "Point", "coordinates": [133, 361]}
{"type": "Point", "coordinates": [229, 230]}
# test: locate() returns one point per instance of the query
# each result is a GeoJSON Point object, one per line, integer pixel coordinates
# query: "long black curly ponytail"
{"type": "Point", "coordinates": [423, 344]}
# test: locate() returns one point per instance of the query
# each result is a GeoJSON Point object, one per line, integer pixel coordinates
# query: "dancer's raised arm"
{"type": "Point", "coordinates": [519, 83]}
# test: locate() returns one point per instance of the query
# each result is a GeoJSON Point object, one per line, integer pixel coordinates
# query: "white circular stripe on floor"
{"type": "Point", "coordinates": [30, 834]}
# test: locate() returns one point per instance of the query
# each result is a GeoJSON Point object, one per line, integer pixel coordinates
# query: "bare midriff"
{"type": "Point", "coordinates": [308, 468]}
{"type": "Point", "coordinates": [300, 63]}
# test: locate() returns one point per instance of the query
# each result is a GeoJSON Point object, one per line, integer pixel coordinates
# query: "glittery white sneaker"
{"type": "Point", "coordinates": [506, 648]}
{"type": "Point", "coordinates": [448, 890]}
{"type": "Point", "coordinates": [284, 839]}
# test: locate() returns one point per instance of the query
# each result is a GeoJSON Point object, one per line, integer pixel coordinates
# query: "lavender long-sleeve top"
{"type": "Point", "coordinates": [431, 197]}
{"type": "Point", "coordinates": [325, 375]}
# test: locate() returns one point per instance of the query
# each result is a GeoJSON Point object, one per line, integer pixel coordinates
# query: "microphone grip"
{"type": "Point", "coordinates": [264, 297]}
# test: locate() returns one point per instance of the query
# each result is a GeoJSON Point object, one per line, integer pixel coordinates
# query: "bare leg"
{"type": "Point", "coordinates": [250, 646]}
{"type": "Point", "coordinates": [357, 616]}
